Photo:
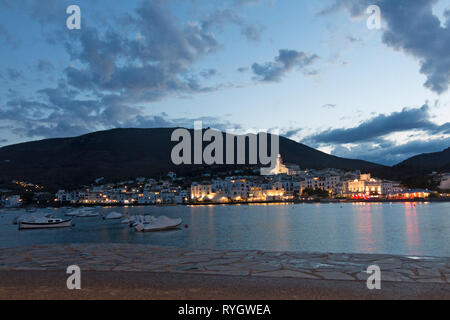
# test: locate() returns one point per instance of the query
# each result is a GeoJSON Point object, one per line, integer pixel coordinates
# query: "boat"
{"type": "Point", "coordinates": [45, 223]}
{"type": "Point", "coordinates": [158, 224]}
{"type": "Point", "coordinates": [82, 211]}
{"type": "Point", "coordinates": [72, 213]}
{"type": "Point", "coordinates": [31, 217]}
{"type": "Point", "coordinates": [87, 214]}
{"type": "Point", "coordinates": [140, 219]}
{"type": "Point", "coordinates": [113, 215]}
{"type": "Point", "coordinates": [128, 220]}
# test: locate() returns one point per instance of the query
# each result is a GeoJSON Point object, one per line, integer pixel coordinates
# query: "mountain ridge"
{"type": "Point", "coordinates": [435, 161]}
{"type": "Point", "coordinates": [130, 152]}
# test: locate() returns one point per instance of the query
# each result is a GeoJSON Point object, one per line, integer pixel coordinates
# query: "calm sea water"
{"type": "Point", "coordinates": [397, 228]}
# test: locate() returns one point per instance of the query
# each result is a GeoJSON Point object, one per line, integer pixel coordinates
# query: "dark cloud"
{"type": "Point", "coordinates": [7, 37]}
{"type": "Point", "coordinates": [246, 2]}
{"type": "Point", "coordinates": [60, 112]}
{"type": "Point", "coordinates": [224, 17]}
{"type": "Point", "coordinates": [286, 61]}
{"type": "Point", "coordinates": [353, 39]}
{"type": "Point", "coordinates": [380, 126]}
{"type": "Point", "coordinates": [329, 106]}
{"type": "Point", "coordinates": [13, 74]}
{"type": "Point", "coordinates": [44, 65]}
{"type": "Point", "coordinates": [291, 132]}
{"type": "Point", "coordinates": [114, 73]}
{"type": "Point", "coordinates": [412, 27]}
{"type": "Point", "coordinates": [207, 74]}
{"type": "Point", "coordinates": [389, 153]}
{"type": "Point", "coordinates": [156, 63]}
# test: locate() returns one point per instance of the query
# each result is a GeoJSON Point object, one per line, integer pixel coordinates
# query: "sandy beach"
{"type": "Point", "coordinates": [49, 285]}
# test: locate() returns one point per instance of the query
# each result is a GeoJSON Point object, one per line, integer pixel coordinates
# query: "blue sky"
{"type": "Point", "coordinates": [311, 69]}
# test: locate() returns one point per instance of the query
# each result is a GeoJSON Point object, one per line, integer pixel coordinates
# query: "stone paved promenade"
{"type": "Point", "coordinates": [144, 258]}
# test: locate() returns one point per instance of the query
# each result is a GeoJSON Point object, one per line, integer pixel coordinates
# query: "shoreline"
{"type": "Point", "coordinates": [144, 258]}
{"type": "Point", "coordinates": [216, 274]}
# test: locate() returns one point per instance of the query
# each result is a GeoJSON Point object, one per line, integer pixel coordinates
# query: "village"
{"type": "Point", "coordinates": [286, 183]}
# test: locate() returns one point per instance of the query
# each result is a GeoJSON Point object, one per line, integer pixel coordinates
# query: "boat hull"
{"type": "Point", "coordinates": [37, 225]}
{"type": "Point", "coordinates": [163, 228]}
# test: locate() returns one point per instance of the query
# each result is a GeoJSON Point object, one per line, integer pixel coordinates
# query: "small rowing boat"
{"type": "Point", "coordinates": [45, 223]}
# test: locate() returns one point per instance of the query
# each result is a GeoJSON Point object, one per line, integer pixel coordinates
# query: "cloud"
{"type": "Point", "coordinates": [13, 74]}
{"type": "Point", "coordinates": [380, 126]}
{"type": "Point", "coordinates": [329, 106]}
{"type": "Point", "coordinates": [246, 2]}
{"type": "Point", "coordinates": [388, 153]}
{"type": "Point", "coordinates": [7, 37]}
{"type": "Point", "coordinates": [114, 74]}
{"type": "Point", "coordinates": [412, 27]}
{"type": "Point", "coordinates": [44, 65]}
{"type": "Point", "coordinates": [353, 39]}
{"type": "Point", "coordinates": [291, 133]}
{"type": "Point", "coordinates": [286, 61]}
{"type": "Point", "coordinates": [60, 112]}
{"type": "Point", "coordinates": [370, 139]}
{"type": "Point", "coordinates": [219, 18]}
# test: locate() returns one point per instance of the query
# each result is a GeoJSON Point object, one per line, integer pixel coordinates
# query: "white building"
{"type": "Point", "coordinates": [365, 185]}
{"type": "Point", "coordinates": [445, 182]}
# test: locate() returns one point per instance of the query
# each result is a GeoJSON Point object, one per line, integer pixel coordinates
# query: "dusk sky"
{"type": "Point", "coordinates": [311, 69]}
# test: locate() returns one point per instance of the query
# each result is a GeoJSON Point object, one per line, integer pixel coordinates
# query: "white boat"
{"type": "Point", "coordinates": [45, 223]}
{"type": "Point", "coordinates": [31, 217]}
{"type": "Point", "coordinates": [113, 215]}
{"type": "Point", "coordinates": [158, 224]}
{"type": "Point", "coordinates": [140, 219]}
{"type": "Point", "coordinates": [72, 213]}
{"type": "Point", "coordinates": [127, 221]}
{"type": "Point", "coordinates": [79, 211]}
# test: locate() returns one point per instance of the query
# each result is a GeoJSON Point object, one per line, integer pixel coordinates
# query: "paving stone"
{"type": "Point", "coordinates": [335, 275]}
{"type": "Point", "coordinates": [433, 272]}
{"type": "Point", "coordinates": [265, 267]}
{"type": "Point", "coordinates": [286, 274]}
{"type": "Point", "coordinates": [363, 276]}
{"type": "Point", "coordinates": [134, 257]}
{"type": "Point", "coordinates": [393, 277]}
{"type": "Point", "coordinates": [431, 280]}
{"type": "Point", "coordinates": [338, 256]}
{"type": "Point", "coordinates": [228, 272]}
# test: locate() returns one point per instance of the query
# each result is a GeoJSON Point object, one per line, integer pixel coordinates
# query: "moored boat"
{"type": "Point", "coordinates": [159, 224]}
{"type": "Point", "coordinates": [87, 214]}
{"type": "Point", "coordinates": [45, 223]}
{"type": "Point", "coordinates": [113, 215]}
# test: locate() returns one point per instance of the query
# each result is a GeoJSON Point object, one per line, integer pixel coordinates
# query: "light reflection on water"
{"type": "Point", "coordinates": [394, 228]}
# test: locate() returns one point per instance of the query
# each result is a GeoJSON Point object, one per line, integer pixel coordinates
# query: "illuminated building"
{"type": "Point", "coordinates": [411, 194]}
{"type": "Point", "coordinates": [365, 186]}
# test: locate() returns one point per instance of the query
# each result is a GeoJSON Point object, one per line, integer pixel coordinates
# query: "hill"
{"type": "Point", "coordinates": [129, 153]}
{"type": "Point", "coordinates": [426, 163]}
